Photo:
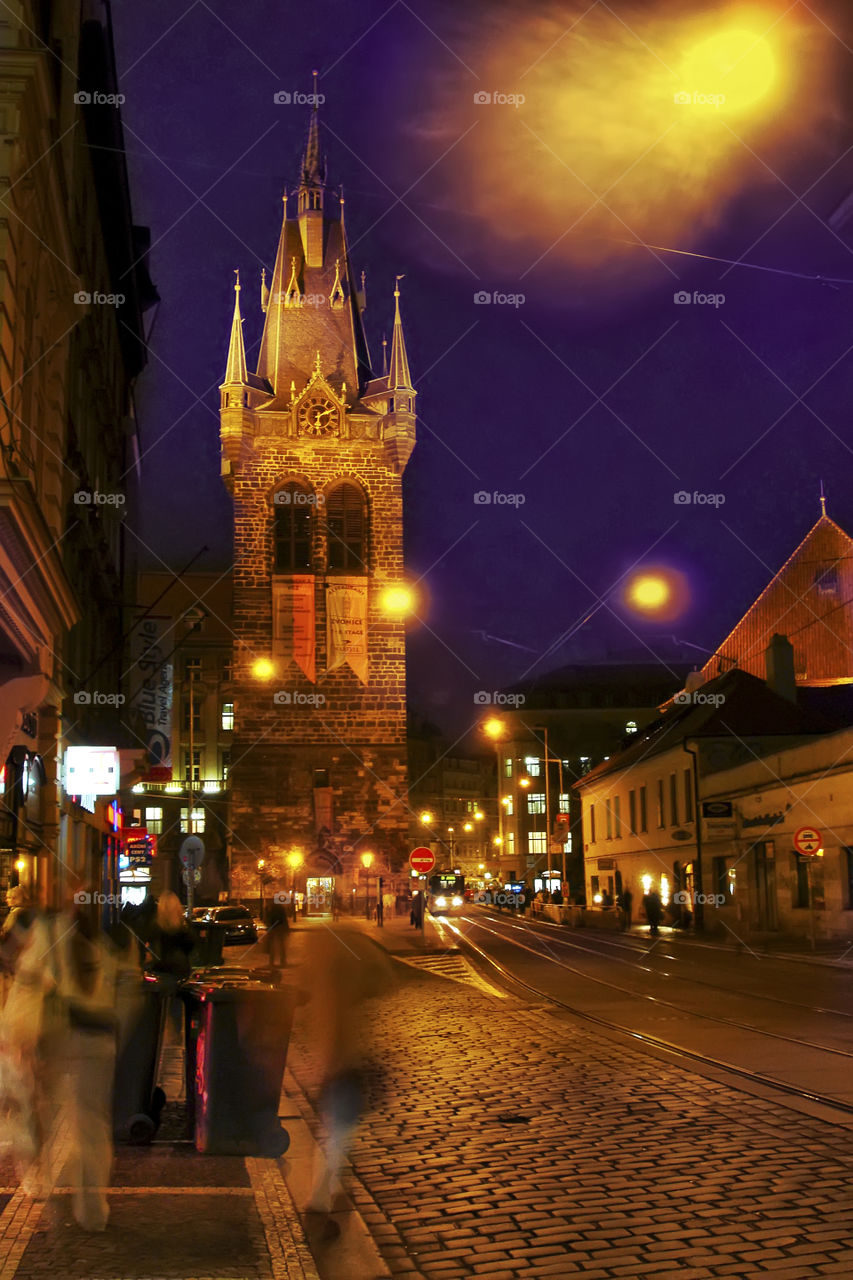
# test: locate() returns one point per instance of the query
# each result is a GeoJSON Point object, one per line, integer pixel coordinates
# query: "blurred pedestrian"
{"type": "Point", "coordinates": [170, 945]}
{"type": "Point", "coordinates": [654, 911]}
{"type": "Point", "coordinates": [278, 932]}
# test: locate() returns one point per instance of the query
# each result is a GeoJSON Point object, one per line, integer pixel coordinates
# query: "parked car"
{"type": "Point", "coordinates": [241, 926]}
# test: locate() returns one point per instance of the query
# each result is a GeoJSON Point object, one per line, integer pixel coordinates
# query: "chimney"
{"type": "Point", "coordinates": [779, 664]}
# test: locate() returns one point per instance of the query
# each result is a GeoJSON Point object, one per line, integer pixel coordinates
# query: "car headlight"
{"type": "Point", "coordinates": [441, 902]}
{"type": "Point", "coordinates": [457, 902]}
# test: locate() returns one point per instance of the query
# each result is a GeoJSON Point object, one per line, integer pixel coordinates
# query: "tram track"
{"type": "Point", "coordinates": [574, 944]}
{"type": "Point", "coordinates": [761, 1080]}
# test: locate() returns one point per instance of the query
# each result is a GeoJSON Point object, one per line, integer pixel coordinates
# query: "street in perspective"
{"type": "Point", "coordinates": [426, 640]}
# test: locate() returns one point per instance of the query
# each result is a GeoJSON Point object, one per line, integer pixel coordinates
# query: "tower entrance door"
{"type": "Point", "coordinates": [319, 891]}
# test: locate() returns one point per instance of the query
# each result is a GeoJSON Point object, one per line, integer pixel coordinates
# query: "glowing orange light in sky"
{"type": "Point", "coordinates": [658, 593]}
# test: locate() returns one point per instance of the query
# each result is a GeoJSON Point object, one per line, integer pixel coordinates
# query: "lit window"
{"type": "Point", "coordinates": [564, 802]}
{"type": "Point", "coordinates": [531, 765]}
{"type": "Point", "coordinates": [507, 804]}
{"type": "Point", "coordinates": [154, 820]}
{"type": "Point", "coordinates": [507, 766]}
{"type": "Point", "coordinates": [631, 726]}
{"type": "Point", "coordinates": [197, 821]}
{"type": "Point", "coordinates": [509, 844]}
{"type": "Point", "coordinates": [536, 842]}
{"type": "Point", "coordinates": [196, 766]}
{"type": "Point", "coordinates": [228, 715]}
{"type": "Point", "coordinates": [536, 802]}
{"type": "Point", "coordinates": [226, 765]}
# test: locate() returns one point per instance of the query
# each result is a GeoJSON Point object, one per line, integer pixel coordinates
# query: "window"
{"type": "Point", "coordinates": [293, 526]}
{"type": "Point", "coordinates": [801, 896]}
{"type": "Point", "coordinates": [509, 844]}
{"type": "Point", "coordinates": [226, 765]}
{"type": "Point", "coordinates": [197, 823]}
{"type": "Point", "coordinates": [632, 812]}
{"type": "Point", "coordinates": [673, 799]}
{"type": "Point", "coordinates": [608, 814]}
{"type": "Point", "coordinates": [507, 766]}
{"type": "Point", "coordinates": [536, 842]}
{"type": "Point", "coordinates": [661, 818]}
{"type": "Point", "coordinates": [507, 804]}
{"type": "Point", "coordinates": [617, 816]}
{"type": "Point", "coordinates": [592, 824]}
{"type": "Point", "coordinates": [227, 670]}
{"type": "Point", "coordinates": [724, 874]}
{"type": "Point", "coordinates": [531, 765]}
{"type": "Point", "coordinates": [346, 520]}
{"type": "Point", "coordinates": [192, 667]}
{"type": "Point", "coordinates": [154, 821]}
{"type": "Point", "coordinates": [185, 713]}
{"type": "Point", "coordinates": [196, 766]}
{"type": "Point", "coordinates": [536, 802]}
{"type": "Point", "coordinates": [564, 802]}
{"type": "Point", "coordinates": [688, 795]}
{"type": "Point", "coordinates": [227, 715]}
{"type": "Point", "coordinates": [643, 810]}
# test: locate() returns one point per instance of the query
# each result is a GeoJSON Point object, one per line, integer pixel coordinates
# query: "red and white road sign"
{"type": "Point", "coordinates": [807, 840]}
{"type": "Point", "coordinates": [422, 860]}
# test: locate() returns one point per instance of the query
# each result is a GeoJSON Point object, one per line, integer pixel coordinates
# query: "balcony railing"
{"type": "Point", "coordinates": [180, 786]}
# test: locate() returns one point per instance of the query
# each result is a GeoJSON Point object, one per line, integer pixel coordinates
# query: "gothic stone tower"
{"type": "Point", "coordinates": [313, 449]}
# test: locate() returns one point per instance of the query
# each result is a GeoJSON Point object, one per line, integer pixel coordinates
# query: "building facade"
{"type": "Point", "coordinates": [314, 444]}
{"type": "Point", "coordinates": [73, 288]}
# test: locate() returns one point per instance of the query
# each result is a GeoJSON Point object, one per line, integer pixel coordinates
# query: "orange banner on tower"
{"type": "Point", "coordinates": [293, 623]}
{"type": "Point", "coordinates": [346, 624]}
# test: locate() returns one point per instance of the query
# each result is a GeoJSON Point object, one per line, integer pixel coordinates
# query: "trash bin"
{"type": "Point", "coordinates": [137, 1098]}
{"type": "Point", "coordinates": [209, 939]}
{"type": "Point", "coordinates": [237, 1033]}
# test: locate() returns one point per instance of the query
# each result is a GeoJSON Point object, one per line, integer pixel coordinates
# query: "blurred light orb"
{"type": "Point", "coordinates": [263, 669]}
{"type": "Point", "coordinates": [397, 601]}
{"type": "Point", "coordinates": [494, 728]}
{"type": "Point", "coordinates": [660, 594]}
{"type": "Point", "coordinates": [732, 70]}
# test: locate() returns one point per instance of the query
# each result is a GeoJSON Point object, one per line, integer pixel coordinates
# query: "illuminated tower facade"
{"type": "Point", "coordinates": [314, 444]}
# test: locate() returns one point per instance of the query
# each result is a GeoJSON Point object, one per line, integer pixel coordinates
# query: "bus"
{"type": "Point", "coordinates": [445, 893]}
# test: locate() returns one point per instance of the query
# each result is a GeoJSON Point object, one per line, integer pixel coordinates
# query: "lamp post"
{"type": "Point", "coordinates": [367, 863]}
{"type": "Point", "coordinates": [261, 865]}
{"type": "Point", "coordinates": [294, 861]}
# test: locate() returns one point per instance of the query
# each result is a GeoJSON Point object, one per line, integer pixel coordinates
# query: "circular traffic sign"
{"type": "Point", "coordinates": [422, 860]}
{"type": "Point", "coordinates": [807, 840]}
{"type": "Point", "coordinates": [191, 852]}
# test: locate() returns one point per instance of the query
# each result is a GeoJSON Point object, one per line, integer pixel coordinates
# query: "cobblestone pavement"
{"type": "Point", "coordinates": [502, 1141]}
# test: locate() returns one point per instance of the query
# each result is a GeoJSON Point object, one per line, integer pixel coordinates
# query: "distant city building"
{"type": "Point", "coordinates": [314, 444]}
{"type": "Point", "coordinates": [452, 803]}
{"type": "Point", "coordinates": [73, 287]}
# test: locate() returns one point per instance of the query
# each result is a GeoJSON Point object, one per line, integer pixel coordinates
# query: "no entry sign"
{"type": "Point", "coordinates": [807, 840]}
{"type": "Point", "coordinates": [422, 860]}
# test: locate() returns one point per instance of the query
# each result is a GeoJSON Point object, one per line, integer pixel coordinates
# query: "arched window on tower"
{"type": "Point", "coordinates": [293, 527]}
{"type": "Point", "coordinates": [346, 521]}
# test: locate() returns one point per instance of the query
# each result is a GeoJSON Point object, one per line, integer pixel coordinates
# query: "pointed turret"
{"type": "Point", "coordinates": [399, 377]}
{"type": "Point", "coordinates": [236, 372]}
{"type": "Point", "coordinates": [312, 190]}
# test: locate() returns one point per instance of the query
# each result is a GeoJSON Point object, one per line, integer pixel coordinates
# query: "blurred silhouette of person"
{"type": "Point", "coordinates": [278, 932]}
{"type": "Point", "coordinates": [626, 902]}
{"type": "Point", "coordinates": [340, 981]}
{"type": "Point", "coordinates": [170, 943]}
{"type": "Point", "coordinates": [654, 911]}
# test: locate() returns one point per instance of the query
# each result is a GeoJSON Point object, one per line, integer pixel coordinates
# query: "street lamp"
{"type": "Point", "coordinates": [294, 861]}
{"type": "Point", "coordinates": [261, 865]}
{"type": "Point", "coordinates": [367, 863]}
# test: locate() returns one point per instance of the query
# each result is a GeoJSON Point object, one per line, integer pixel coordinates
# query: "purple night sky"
{"type": "Point", "coordinates": [465, 197]}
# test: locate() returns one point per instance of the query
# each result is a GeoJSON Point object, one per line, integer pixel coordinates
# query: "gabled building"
{"type": "Point", "coordinates": [314, 444]}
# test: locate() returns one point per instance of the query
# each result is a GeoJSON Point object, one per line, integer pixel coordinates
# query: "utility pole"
{"type": "Point", "coordinates": [190, 870]}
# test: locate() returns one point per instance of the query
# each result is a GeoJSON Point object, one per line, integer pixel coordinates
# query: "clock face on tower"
{"type": "Point", "coordinates": [317, 416]}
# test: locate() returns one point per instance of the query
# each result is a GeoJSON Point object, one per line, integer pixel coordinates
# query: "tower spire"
{"type": "Point", "coordinates": [822, 500]}
{"type": "Point", "coordinates": [235, 369]}
{"type": "Point", "coordinates": [313, 166]}
{"type": "Point", "coordinates": [399, 376]}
